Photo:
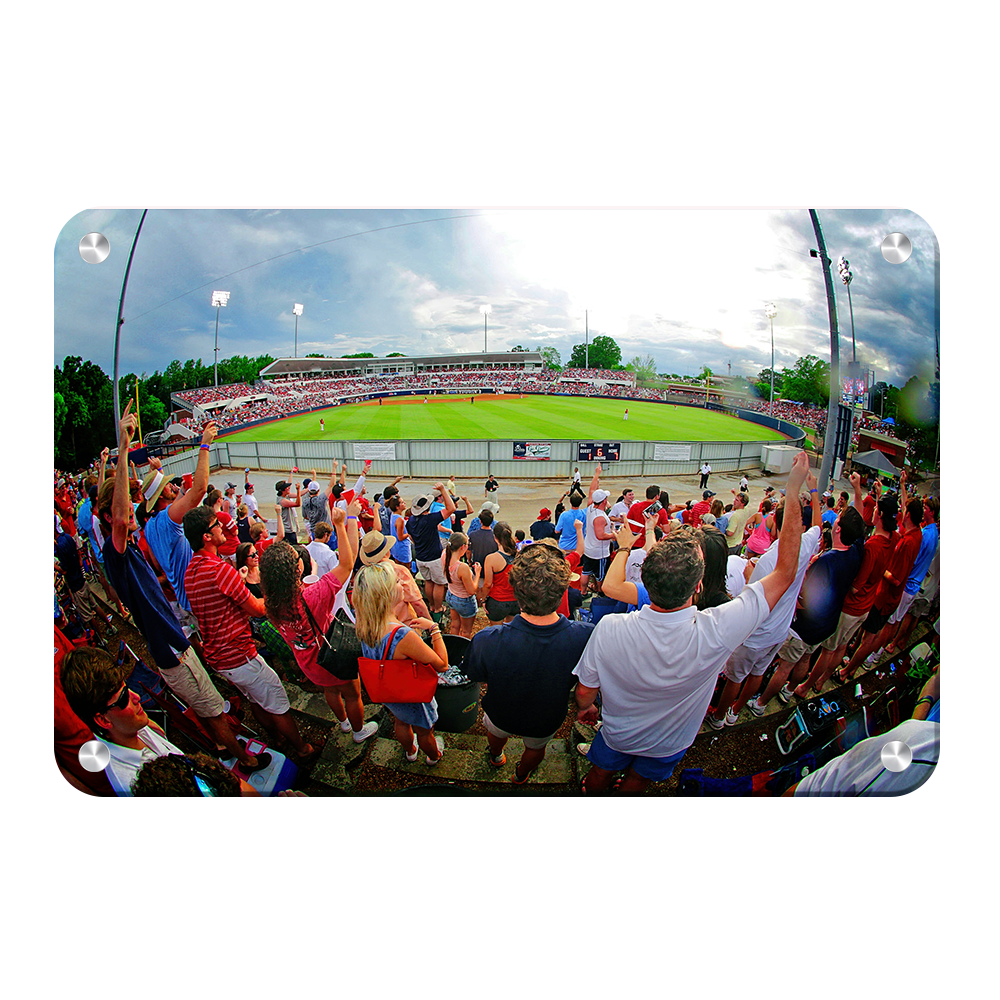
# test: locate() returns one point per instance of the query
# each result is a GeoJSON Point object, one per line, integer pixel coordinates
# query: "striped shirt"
{"type": "Point", "coordinates": [216, 592]}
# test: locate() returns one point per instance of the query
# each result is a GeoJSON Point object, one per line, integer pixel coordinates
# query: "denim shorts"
{"type": "Point", "coordinates": [465, 606]}
{"type": "Point", "coordinates": [653, 768]}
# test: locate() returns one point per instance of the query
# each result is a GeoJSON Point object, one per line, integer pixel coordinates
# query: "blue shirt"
{"type": "Point", "coordinates": [722, 522]}
{"type": "Point", "coordinates": [928, 546]}
{"type": "Point", "coordinates": [829, 516]}
{"type": "Point", "coordinates": [565, 529]}
{"type": "Point", "coordinates": [166, 541]}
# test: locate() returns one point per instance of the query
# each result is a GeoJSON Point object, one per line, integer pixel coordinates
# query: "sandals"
{"type": "Point", "coordinates": [840, 677]}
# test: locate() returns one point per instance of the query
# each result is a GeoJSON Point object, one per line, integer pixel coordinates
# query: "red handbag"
{"type": "Point", "coordinates": [402, 681]}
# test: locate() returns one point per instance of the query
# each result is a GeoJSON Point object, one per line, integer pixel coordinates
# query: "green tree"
{"type": "Point", "coordinates": [517, 350]}
{"type": "Point", "coordinates": [644, 366]}
{"type": "Point", "coordinates": [88, 424]}
{"type": "Point", "coordinates": [705, 373]}
{"type": "Point", "coordinates": [362, 354]}
{"type": "Point", "coordinates": [550, 357]}
{"type": "Point", "coordinates": [396, 354]}
{"type": "Point", "coordinates": [61, 411]}
{"type": "Point", "coordinates": [762, 383]}
{"type": "Point", "coordinates": [604, 352]}
{"type": "Point", "coordinates": [807, 382]}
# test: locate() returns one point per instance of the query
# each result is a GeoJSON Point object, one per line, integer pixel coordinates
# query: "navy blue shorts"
{"type": "Point", "coordinates": [653, 768]}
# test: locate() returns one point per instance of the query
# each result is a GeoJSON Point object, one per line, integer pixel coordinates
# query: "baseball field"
{"type": "Point", "coordinates": [533, 418]}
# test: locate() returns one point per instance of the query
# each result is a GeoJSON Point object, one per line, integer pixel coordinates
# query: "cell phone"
{"type": "Point", "coordinates": [654, 508]}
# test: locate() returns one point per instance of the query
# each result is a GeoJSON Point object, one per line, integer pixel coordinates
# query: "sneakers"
{"type": "Point", "coordinates": [713, 721]}
{"type": "Point", "coordinates": [731, 719]}
{"type": "Point", "coordinates": [345, 726]}
{"type": "Point", "coordinates": [497, 761]}
{"type": "Point", "coordinates": [411, 757]}
{"type": "Point", "coordinates": [440, 745]}
{"type": "Point", "coordinates": [368, 729]}
{"type": "Point", "coordinates": [786, 694]}
{"type": "Point", "coordinates": [755, 706]}
{"type": "Point", "coordinates": [583, 749]}
{"type": "Point", "coordinates": [872, 658]}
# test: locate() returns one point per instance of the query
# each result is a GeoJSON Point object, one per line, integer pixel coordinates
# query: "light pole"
{"type": "Point", "coordinates": [847, 276]}
{"type": "Point", "coordinates": [770, 311]}
{"type": "Point", "coordinates": [297, 312]}
{"type": "Point", "coordinates": [485, 310]}
{"type": "Point", "coordinates": [219, 299]}
{"type": "Point", "coordinates": [830, 437]}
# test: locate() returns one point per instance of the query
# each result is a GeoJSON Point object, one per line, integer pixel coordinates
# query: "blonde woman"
{"type": "Point", "coordinates": [462, 584]}
{"type": "Point", "coordinates": [376, 594]}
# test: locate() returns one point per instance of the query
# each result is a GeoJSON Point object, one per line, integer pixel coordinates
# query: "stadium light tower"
{"type": "Point", "coordinates": [770, 311]}
{"type": "Point", "coordinates": [485, 310]}
{"type": "Point", "coordinates": [847, 276]}
{"type": "Point", "coordinates": [219, 299]}
{"type": "Point", "coordinates": [297, 312]}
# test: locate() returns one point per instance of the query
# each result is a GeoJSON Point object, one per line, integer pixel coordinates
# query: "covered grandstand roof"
{"type": "Point", "coordinates": [312, 366]}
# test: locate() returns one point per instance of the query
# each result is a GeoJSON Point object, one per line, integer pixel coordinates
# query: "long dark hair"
{"type": "Point", "coordinates": [502, 533]}
{"type": "Point", "coordinates": [280, 582]}
{"type": "Point", "coordinates": [716, 552]}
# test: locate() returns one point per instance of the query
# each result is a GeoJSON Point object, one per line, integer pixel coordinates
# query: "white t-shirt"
{"type": "Point", "coordinates": [860, 771]}
{"type": "Point", "coordinates": [125, 762]}
{"type": "Point", "coordinates": [324, 557]}
{"type": "Point", "coordinates": [735, 578]}
{"type": "Point", "coordinates": [633, 566]}
{"type": "Point", "coordinates": [251, 501]}
{"type": "Point", "coordinates": [657, 670]}
{"type": "Point", "coordinates": [593, 546]}
{"type": "Point", "coordinates": [619, 510]}
{"type": "Point", "coordinates": [775, 629]}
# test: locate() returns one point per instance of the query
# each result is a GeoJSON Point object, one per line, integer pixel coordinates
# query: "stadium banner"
{"type": "Point", "coordinates": [532, 450]}
{"type": "Point", "coordinates": [599, 451]}
{"type": "Point", "coordinates": [671, 452]}
{"type": "Point", "coordinates": [367, 449]}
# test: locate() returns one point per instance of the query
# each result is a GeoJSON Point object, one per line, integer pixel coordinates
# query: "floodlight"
{"type": "Point", "coordinates": [220, 299]}
{"type": "Point", "coordinates": [297, 309]}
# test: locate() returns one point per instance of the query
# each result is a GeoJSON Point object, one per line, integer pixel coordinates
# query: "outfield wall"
{"type": "Point", "coordinates": [427, 460]}
{"type": "Point", "coordinates": [474, 459]}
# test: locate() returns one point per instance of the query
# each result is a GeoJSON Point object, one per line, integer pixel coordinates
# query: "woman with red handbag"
{"type": "Point", "coordinates": [376, 593]}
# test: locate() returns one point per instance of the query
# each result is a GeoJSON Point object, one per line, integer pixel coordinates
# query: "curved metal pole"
{"type": "Point", "coordinates": [118, 325]}
{"type": "Point", "coordinates": [772, 368]}
{"type": "Point", "coordinates": [831, 304]}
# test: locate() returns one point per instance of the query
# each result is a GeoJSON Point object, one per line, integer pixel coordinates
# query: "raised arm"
{"type": "Point", "coordinates": [121, 503]}
{"type": "Point", "coordinates": [449, 503]}
{"type": "Point", "coordinates": [199, 485]}
{"type": "Point", "coordinates": [856, 483]}
{"type": "Point", "coordinates": [594, 484]}
{"type": "Point", "coordinates": [780, 578]}
{"type": "Point", "coordinates": [105, 452]}
{"type": "Point", "coordinates": [615, 585]}
{"type": "Point", "coordinates": [813, 487]}
{"type": "Point", "coordinates": [281, 524]}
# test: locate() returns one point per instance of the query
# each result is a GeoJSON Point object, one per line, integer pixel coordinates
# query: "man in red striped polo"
{"type": "Point", "coordinates": [223, 606]}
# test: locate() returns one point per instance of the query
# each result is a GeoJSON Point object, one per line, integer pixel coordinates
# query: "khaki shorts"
{"type": "Point", "coordinates": [846, 627]}
{"type": "Point", "coordinates": [83, 601]}
{"type": "Point", "coordinates": [793, 649]}
{"type": "Point", "coordinates": [260, 684]}
{"type": "Point", "coordinates": [745, 661]}
{"type": "Point", "coordinates": [189, 680]}
{"type": "Point", "coordinates": [432, 572]}
{"type": "Point", "coordinates": [530, 742]}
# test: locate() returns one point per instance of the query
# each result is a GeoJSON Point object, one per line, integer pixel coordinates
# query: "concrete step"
{"type": "Point", "coordinates": [465, 759]}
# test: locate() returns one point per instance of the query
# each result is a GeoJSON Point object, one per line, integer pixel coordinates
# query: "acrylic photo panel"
{"type": "Point", "coordinates": [555, 365]}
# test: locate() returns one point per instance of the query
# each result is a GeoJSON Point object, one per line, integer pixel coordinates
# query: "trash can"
{"type": "Point", "coordinates": [458, 707]}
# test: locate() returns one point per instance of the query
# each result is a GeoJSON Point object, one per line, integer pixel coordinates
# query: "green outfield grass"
{"type": "Point", "coordinates": [534, 418]}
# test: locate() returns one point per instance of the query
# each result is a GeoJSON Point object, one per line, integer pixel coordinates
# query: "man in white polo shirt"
{"type": "Point", "coordinates": [655, 669]}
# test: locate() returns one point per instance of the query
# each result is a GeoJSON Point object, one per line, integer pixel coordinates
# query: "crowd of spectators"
{"type": "Point", "coordinates": [699, 601]}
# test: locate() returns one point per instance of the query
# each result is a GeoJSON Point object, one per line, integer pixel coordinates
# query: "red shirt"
{"type": "Point", "coordinates": [888, 595]}
{"type": "Point", "coordinates": [215, 592]}
{"type": "Point", "coordinates": [868, 505]}
{"type": "Point", "coordinates": [878, 550]}
{"type": "Point", "coordinates": [636, 518]}
{"type": "Point", "coordinates": [231, 533]}
{"type": "Point", "coordinates": [264, 543]}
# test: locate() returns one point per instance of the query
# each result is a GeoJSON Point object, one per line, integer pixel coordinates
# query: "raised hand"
{"type": "Point", "coordinates": [208, 434]}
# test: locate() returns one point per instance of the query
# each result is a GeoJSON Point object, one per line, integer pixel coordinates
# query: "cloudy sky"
{"type": "Point", "coordinates": [687, 286]}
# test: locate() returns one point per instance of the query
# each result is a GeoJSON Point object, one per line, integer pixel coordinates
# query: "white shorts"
{"type": "Point", "coordinates": [189, 680]}
{"type": "Point", "coordinates": [745, 661]}
{"type": "Point", "coordinates": [260, 684]}
{"type": "Point", "coordinates": [904, 605]}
